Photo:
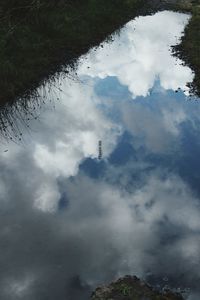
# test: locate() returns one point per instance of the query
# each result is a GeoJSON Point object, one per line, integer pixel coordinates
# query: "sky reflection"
{"type": "Point", "coordinates": [70, 221]}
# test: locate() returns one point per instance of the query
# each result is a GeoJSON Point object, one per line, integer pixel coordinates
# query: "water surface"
{"type": "Point", "coordinates": [105, 181]}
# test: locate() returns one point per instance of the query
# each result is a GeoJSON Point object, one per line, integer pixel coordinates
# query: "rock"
{"type": "Point", "coordinates": [132, 288]}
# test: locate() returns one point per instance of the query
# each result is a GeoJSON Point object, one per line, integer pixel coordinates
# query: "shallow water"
{"type": "Point", "coordinates": [105, 181]}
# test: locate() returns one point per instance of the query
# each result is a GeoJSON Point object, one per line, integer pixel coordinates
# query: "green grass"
{"type": "Point", "coordinates": [37, 37]}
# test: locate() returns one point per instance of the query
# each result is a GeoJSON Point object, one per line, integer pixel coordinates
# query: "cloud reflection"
{"type": "Point", "coordinates": [63, 230]}
{"type": "Point", "coordinates": [146, 42]}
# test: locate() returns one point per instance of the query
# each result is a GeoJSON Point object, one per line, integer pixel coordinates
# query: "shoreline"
{"type": "Point", "coordinates": [23, 70]}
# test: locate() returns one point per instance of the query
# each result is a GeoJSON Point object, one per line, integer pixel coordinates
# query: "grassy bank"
{"type": "Point", "coordinates": [38, 36]}
{"type": "Point", "coordinates": [189, 49]}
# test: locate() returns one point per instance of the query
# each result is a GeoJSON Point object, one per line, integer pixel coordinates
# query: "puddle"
{"type": "Point", "coordinates": [104, 180]}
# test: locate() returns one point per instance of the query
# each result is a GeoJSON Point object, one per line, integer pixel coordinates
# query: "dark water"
{"type": "Point", "coordinates": [106, 183]}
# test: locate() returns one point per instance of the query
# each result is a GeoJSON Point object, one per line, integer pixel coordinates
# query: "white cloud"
{"type": "Point", "coordinates": [141, 54]}
{"type": "Point", "coordinates": [72, 132]}
{"type": "Point", "coordinates": [47, 195]}
{"type": "Point", "coordinates": [134, 223]}
{"type": "Point", "coordinates": [156, 127]}
{"type": "Point", "coordinates": [104, 231]}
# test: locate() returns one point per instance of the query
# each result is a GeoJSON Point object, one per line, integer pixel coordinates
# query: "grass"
{"type": "Point", "coordinates": [189, 49]}
{"type": "Point", "coordinates": [37, 37]}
